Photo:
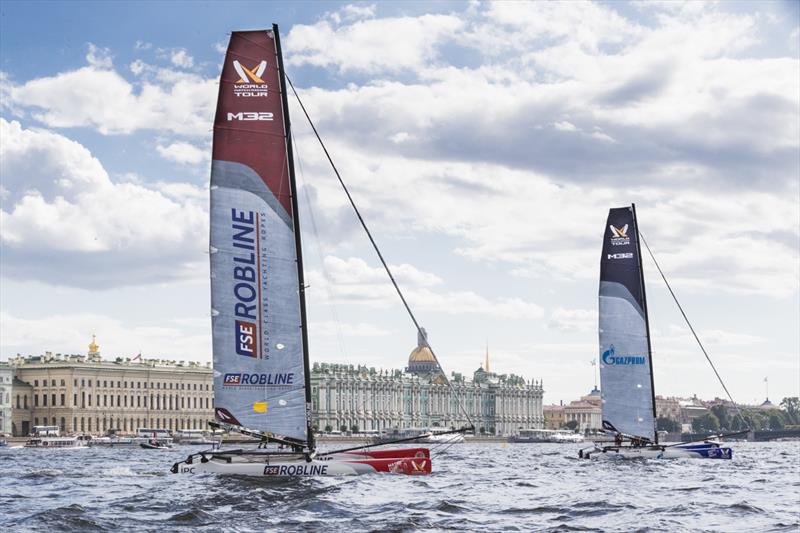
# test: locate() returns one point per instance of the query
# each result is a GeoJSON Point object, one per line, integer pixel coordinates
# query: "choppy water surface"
{"type": "Point", "coordinates": [487, 487]}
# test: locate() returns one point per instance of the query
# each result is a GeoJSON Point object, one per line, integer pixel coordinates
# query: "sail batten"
{"type": "Point", "coordinates": [625, 358]}
{"type": "Point", "coordinates": [260, 356]}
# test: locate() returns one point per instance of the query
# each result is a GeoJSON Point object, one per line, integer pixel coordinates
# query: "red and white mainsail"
{"type": "Point", "coordinates": [260, 359]}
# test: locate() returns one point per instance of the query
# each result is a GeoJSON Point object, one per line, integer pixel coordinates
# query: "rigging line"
{"type": "Point", "coordinates": [375, 246]}
{"type": "Point", "coordinates": [317, 242]}
{"type": "Point", "coordinates": [708, 358]}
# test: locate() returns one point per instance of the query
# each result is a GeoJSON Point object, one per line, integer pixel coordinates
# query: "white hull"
{"type": "Point", "coordinates": [416, 461]}
{"type": "Point", "coordinates": [709, 451]}
{"type": "Point", "coordinates": [296, 468]}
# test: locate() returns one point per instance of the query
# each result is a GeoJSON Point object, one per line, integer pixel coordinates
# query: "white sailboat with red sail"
{"type": "Point", "coordinates": [259, 329]}
{"type": "Point", "coordinates": [626, 369]}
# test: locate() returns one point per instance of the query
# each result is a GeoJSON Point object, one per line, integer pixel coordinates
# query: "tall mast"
{"type": "Point", "coordinates": [297, 240]}
{"type": "Point", "coordinates": [646, 321]}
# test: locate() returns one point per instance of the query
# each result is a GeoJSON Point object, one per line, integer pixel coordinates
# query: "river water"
{"type": "Point", "coordinates": [477, 487]}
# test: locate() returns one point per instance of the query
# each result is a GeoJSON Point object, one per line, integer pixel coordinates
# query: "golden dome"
{"type": "Point", "coordinates": [421, 354]}
{"type": "Point", "coordinates": [94, 347]}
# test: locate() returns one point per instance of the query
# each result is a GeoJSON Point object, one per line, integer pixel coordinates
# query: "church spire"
{"type": "Point", "coordinates": [487, 356]}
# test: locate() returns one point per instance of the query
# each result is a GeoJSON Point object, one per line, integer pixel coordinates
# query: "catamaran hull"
{"type": "Point", "coordinates": [409, 461]}
{"type": "Point", "coordinates": [701, 451]}
{"type": "Point", "coordinates": [312, 468]}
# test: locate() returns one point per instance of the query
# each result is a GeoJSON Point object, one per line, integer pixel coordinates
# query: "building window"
{"type": "Point", "coordinates": [63, 383]}
{"type": "Point", "coordinates": [75, 382]}
{"type": "Point", "coordinates": [105, 384]}
{"type": "Point", "coordinates": [119, 384]}
{"type": "Point", "coordinates": [75, 400]}
{"type": "Point", "coordinates": [90, 404]}
{"type": "Point", "coordinates": [18, 401]}
{"type": "Point", "coordinates": [44, 399]}
{"type": "Point", "coordinates": [63, 400]}
{"type": "Point", "coordinates": [35, 382]}
{"type": "Point", "coordinates": [83, 384]}
{"type": "Point", "coordinates": [25, 400]}
{"type": "Point", "coordinates": [90, 382]}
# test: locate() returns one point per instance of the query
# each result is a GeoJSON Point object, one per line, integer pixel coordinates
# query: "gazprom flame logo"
{"type": "Point", "coordinates": [247, 75]}
{"type": "Point", "coordinates": [619, 236]}
{"type": "Point", "coordinates": [609, 358]}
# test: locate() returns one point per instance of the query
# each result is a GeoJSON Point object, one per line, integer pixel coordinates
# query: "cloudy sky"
{"type": "Point", "coordinates": [484, 143]}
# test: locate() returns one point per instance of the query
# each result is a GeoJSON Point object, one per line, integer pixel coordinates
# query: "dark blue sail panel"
{"type": "Point", "coordinates": [625, 368]}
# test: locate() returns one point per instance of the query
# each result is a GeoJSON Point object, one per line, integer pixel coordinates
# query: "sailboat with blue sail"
{"type": "Point", "coordinates": [259, 327]}
{"type": "Point", "coordinates": [626, 362]}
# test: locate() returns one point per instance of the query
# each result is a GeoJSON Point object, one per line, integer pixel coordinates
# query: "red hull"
{"type": "Point", "coordinates": [396, 453]}
{"type": "Point", "coordinates": [403, 465]}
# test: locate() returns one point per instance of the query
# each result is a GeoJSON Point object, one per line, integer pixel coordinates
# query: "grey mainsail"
{"type": "Point", "coordinates": [625, 359]}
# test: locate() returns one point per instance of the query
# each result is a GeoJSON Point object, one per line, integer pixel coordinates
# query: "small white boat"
{"type": "Point", "coordinates": [156, 445]}
{"type": "Point", "coordinates": [560, 436]}
{"type": "Point", "coordinates": [196, 437]}
{"type": "Point", "coordinates": [48, 437]}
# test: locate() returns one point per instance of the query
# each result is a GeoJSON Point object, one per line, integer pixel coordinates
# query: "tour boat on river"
{"type": "Point", "coordinates": [559, 436]}
{"type": "Point", "coordinates": [48, 437]}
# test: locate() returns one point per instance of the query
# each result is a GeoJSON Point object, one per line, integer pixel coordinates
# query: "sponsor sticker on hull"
{"type": "Point", "coordinates": [296, 470]}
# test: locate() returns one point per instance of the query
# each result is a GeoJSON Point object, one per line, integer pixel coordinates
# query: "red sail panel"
{"type": "Point", "coordinates": [249, 125]}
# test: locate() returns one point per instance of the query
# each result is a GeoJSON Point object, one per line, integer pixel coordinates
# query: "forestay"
{"type": "Point", "coordinates": [625, 361]}
{"type": "Point", "coordinates": [259, 379]}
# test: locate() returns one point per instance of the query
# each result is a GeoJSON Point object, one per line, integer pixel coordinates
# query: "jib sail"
{"type": "Point", "coordinates": [260, 360]}
{"type": "Point", "coordinates": [625, 362]}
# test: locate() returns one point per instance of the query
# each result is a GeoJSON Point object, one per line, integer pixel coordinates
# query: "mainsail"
{"type": "Point", "coordinates": [259, 338]}
{"type": "Point", "coordinates": [625, 360]}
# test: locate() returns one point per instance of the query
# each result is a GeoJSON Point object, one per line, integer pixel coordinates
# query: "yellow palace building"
{"type": "Point", "coordinates": [86, 394]}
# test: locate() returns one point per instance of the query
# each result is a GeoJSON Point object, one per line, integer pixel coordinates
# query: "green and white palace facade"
{"type": "Point", "coordinates": [357, 398]}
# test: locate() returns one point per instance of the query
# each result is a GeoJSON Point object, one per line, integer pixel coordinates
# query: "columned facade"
{"type": "Point", "coordinates": [85, 394]}
{"type": "Point", "coordinates": [357, 398]}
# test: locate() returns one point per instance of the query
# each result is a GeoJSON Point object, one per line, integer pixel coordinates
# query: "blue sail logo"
{"type": "Point", "coordinates": [609, 358]}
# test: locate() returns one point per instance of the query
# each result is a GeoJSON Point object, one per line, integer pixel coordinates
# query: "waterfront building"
{"type": "Point", "coordinates": [588, 415]}
{"type": "Point", "coordinates": [554, 416]}
{"type": "Point", "coordinates": [348, 397]}
{"type": "Point", "coordinates": [668, 408]}
{"type": "Point", "coordinates": [586, 412]}
{"type": "Point", "coordinates": [85, 394]}
{"type": "Point", "coordinates": [6, 378]}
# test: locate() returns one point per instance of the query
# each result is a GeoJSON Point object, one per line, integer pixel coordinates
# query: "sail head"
{"type": "Point", "coordinates": [259, 353]}
{"type": "Point", "coordinates": [625, 363]}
